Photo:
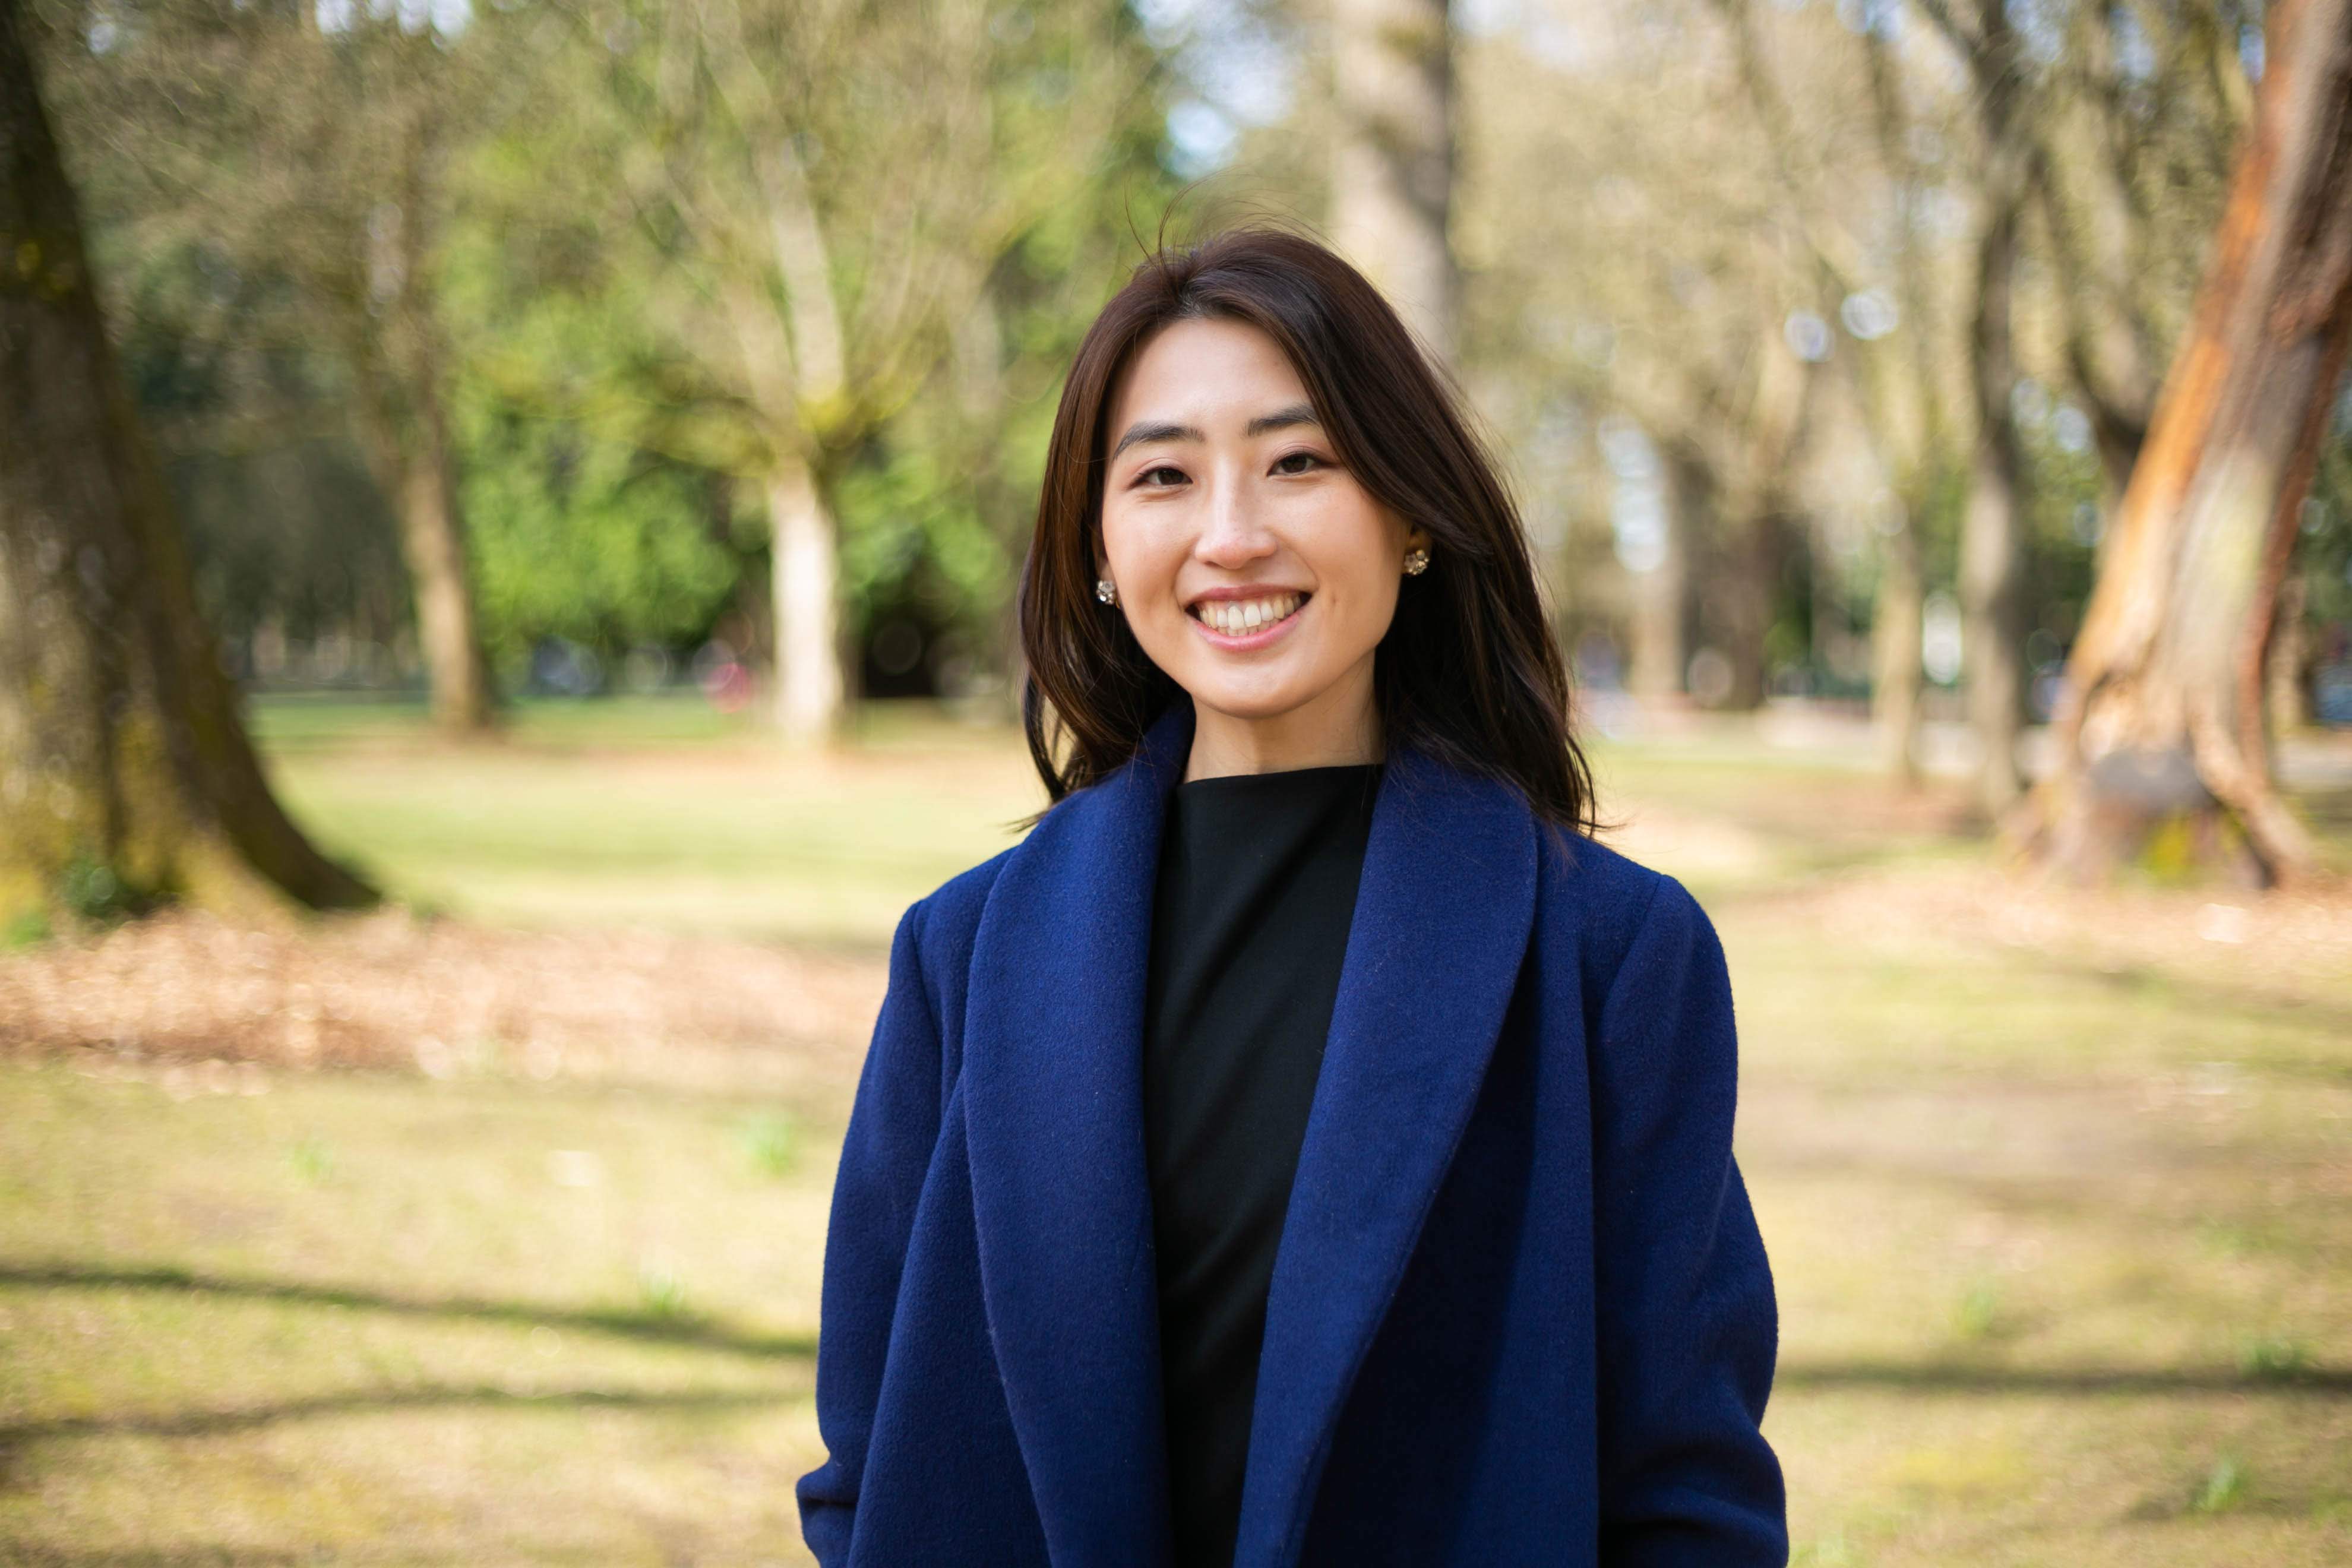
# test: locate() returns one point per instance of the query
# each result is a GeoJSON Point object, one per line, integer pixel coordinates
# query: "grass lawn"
{"type": "Point", "coordinates": [653, 811]}
{"type": "Point", "coordinates": [2057, 1186]}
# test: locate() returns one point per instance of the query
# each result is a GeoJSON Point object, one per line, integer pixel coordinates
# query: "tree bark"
{"type": "Point", "coordinates": [2163, 720]}
{"type": "Point", "coordinates": [126, 776]}
{"type": "Point", "coordinates": [1748, 597]}
{"type": "Point", "coordinates": [1895, 626]}
{"type": "Point", "coordinates": [435, 547]}
{"type": "Point", "coordinates": [1991, 525]}
{"type": "Point", "coordinates": [1660, 651]}
{"type": "Point", "coordinates": [808, 665]}
{"type": "Point", "coordinates": [398, 356]}
{"type": "Point", "coordinates": [1910, 451]}
{"type": "Point", "coordinates": [1992, 534]}
{"type": "Point", "coordinates": [1392, 171]}
{"type": "Point", "coordinates": [1757, 508]}
{"type": "Point", "coordinates": [2287, 697]}
{"type": "Point", "coordinates": [413, 466]}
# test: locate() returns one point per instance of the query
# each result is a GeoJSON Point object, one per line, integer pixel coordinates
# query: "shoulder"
{"type": "Point", "coordinates": [1072, 832]}
{"type": "Point", "coordinates": [942, 921]}
{"type": "Point", "coordinates": [932, 948]}
{"type": "Point", "coordinates": [1616, 912]}
{"type": "Point", "coordinates": [1595, 906]}
{"type": "Point", "coordinates": [1592, 871]}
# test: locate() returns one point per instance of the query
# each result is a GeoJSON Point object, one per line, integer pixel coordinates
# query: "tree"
{"type": "Point", "coordinates": [1912, 435]}
{"type": "Point", "coordinates": [330, 182]}
{"type": "Point", "coordinates": [125, 771]}
{"type": "Point", "coordinates": [2164, 719]}
{"type": "Point", "coordinates": [1898, 386]}
{"type": "Point", "coordinates": [2131, 155]}
{"type": "Point", "coordinates": [1992, 529]}
{"type": "Point", "coordinates": [1630, 245]}
{"type": "Point", "coordinates": [1392, 165]}
{"type": "Point", "coordinates": [805, 204]}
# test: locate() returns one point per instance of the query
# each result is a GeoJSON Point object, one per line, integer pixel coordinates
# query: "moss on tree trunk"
{"type": "Point", "coordinates": [126, 776]}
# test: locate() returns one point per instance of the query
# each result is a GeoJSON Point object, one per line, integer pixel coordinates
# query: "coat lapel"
{"type": "Point", "coordinates": [1053, 1114]}
{"type": "Point", "coordinates": [1444, 908]}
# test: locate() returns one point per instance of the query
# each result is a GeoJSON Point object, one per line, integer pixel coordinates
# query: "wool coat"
{"type": "Point", "coordinates": [1520, 1311]}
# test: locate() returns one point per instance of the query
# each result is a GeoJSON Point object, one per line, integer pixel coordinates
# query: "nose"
{"type": "Point", "coordinates": [1232, 534]}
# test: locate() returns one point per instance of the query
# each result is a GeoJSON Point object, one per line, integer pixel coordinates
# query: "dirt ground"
{"type": "Point", "coordinates": [189, 1000]}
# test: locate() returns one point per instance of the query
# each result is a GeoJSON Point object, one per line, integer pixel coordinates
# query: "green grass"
{"type": "Point", "coordinates": [2060, 1213]}
{"type": "Point", "coordinates": [379, 1319]}
{"type": "Point", "coordinates": [650, 811]}
{"type": "Point", "coordinates": [309, 721]}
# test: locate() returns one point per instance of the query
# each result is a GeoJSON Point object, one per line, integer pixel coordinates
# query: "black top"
{"type": "Point", "coordinates": [1256, 887]}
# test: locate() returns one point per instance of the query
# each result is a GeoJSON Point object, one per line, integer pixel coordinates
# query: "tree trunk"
{"type": "Point", "coordinates": [2163, 721]}
{"type": "Point", "coordinates": [1992, 534]}
{"type": "Point", "coordinates": [1895, 626]}
{"type": "Point", "coordinates": [1899, 616]}
{"type": "Point", "coordinates": [404, 428]}
{"type": "Point", "coordinates": [808, 656]}
{"type": "Point", "coordinates": [1744, 594]}
{"type": "Point", "coordinates": [126, 776]}
{"type": "Point", "coordinates": [1660, 651]}
{"type": "Point", "coordinates": [2285, 690]}
{"type": "Point", "coordinates": [399, 359]}
{"type": "Point", "coordinates": [433, 541]}
{"type": "Point", "coordinates": [1393, 170]}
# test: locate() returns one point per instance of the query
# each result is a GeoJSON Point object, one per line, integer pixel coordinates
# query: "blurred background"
{"type": "Point", "coordinates": [547, 481]}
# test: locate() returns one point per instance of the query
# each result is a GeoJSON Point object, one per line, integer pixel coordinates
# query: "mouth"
{"type": "Point", "coordinates": [1247, 621]}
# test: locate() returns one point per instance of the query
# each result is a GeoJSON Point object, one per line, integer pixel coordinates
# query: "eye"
{"type": "Point", "coordinates": [1305, 462]}
{"type": "Point", "coordinates": [1151, 477]}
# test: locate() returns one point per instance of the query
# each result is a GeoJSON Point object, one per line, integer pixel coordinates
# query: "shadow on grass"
{"type": "Point", "coordinates": [659, 1328]}
{"type": "Point", "coordinates": [215, 1423]}
{"type": "Point", "coordinates": [1951, 1377]}
{"type": "Point", "coordinates": [183, 1557]}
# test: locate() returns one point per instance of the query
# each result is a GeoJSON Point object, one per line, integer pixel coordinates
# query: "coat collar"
{"type": "Point", "coordinates": [1052, 1100]}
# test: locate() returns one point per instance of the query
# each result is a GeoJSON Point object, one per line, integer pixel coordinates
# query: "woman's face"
{"type": "Point", "coordinates": [1252, 567]}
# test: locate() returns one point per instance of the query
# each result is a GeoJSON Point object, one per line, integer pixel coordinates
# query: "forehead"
{"type": "Point", "coordinates": [1209, 374]}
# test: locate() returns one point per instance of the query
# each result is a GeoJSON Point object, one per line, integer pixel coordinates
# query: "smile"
{"type": "Point", "coordinates": [1248, 620]}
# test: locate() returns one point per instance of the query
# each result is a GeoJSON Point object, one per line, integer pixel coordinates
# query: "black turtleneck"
{"type": "Point", "coordinates": [1256, 888]}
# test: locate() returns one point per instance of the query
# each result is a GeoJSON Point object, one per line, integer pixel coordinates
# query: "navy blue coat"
{"type": "Point", "coordinates": [1520, 1312]}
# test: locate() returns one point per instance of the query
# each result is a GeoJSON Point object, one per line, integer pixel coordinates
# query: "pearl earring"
{"type": "Point", "coordinates": [1106, 590]}
{"type": "Point", "coordinates": [1416, 561]}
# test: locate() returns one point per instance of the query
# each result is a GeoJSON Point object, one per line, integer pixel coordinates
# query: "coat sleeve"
{"type": "Point", "coordinates": [893, 1126]}
{"type": "Point", "coordinates": [1687, 1325]}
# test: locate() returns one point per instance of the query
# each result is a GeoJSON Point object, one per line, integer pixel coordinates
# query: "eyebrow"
{"type": "Point", "coordinates": [1283, 419]}
{"type": "Point", "coordinates": [1280, 419]}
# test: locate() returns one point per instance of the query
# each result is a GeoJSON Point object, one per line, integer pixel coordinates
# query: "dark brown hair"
{"type": "Point", "coordinates": [1469, 671]}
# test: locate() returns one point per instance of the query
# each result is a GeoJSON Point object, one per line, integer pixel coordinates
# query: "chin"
{"type": "Point", "coordinates": [1253, 702]}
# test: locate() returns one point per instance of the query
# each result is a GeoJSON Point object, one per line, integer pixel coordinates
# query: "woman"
{"type": "Point", "coordinates": [1307, 1146]}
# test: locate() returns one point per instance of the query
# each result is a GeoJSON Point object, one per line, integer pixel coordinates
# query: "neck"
{"type": "Point", "coordinates": [1337, 728]}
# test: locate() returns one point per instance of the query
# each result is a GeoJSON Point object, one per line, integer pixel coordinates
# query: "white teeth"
{"type": "Point", "coordinates": [1235, 617]}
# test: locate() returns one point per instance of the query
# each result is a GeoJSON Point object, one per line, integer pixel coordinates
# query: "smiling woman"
{"type": "Point", "coordinates": [1250, 419]}
{"type": "Point", "coordinates": [1228, 525]}
{"type": "Point", "coordinates": [1308, 1146]}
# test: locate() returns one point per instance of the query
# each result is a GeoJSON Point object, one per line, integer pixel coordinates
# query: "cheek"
{"type": "Point", "coordinates": [1356, 568]}
{"type": "Point", "coordinates": [1366, 611]}
{"type": "Point", "coordinates": [1135, 555]}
